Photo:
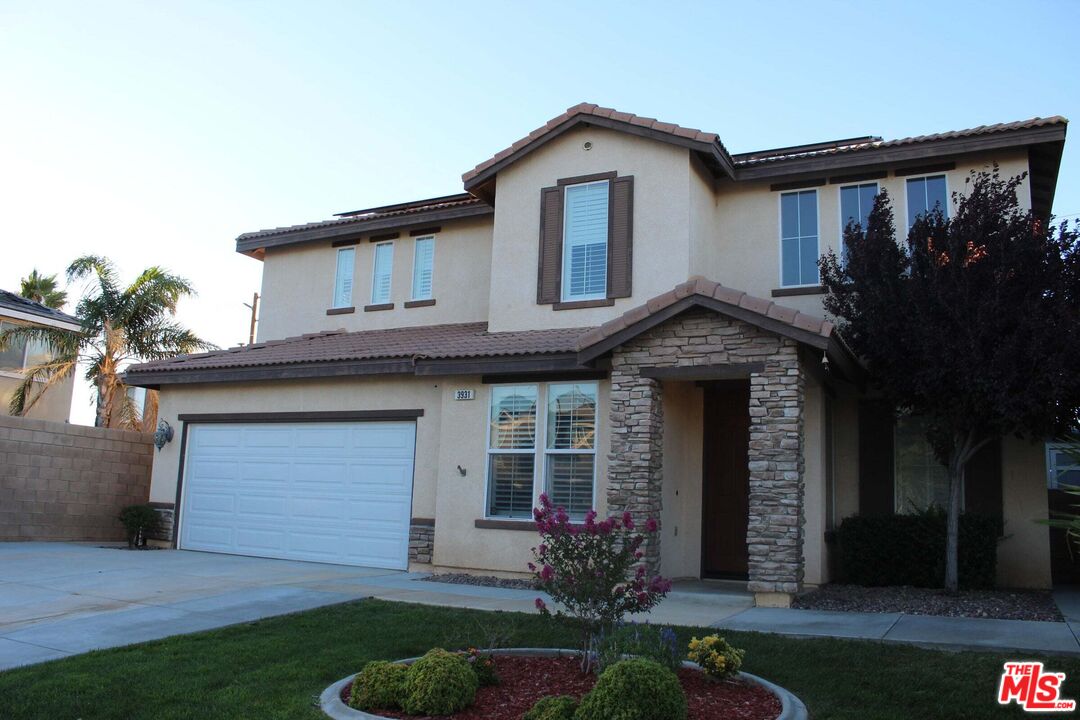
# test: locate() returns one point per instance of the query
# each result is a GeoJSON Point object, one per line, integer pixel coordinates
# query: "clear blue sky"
{"type": "Point", "coordinates": [155, 132]}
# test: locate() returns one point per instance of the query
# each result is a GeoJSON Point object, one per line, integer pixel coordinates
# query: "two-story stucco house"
{"type": "Point", "coordinates": [617, 311]}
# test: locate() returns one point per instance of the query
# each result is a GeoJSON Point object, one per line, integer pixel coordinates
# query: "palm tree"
{"type": "Point", "coordinates": [119, 325]}
{"type": "Point", "coordinates": [43, 289]}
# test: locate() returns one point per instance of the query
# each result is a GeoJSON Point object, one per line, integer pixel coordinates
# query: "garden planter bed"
{"type": "Point", "coordinates": [996, 604]}
{"type": "Point", "coordinates": [528, 675]}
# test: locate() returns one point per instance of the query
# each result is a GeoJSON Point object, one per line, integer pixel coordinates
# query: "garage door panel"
{"type": "Point", "coordinates": [330, 492]}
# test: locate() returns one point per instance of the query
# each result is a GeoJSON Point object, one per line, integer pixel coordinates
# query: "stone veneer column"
{"type": "Point", "coordinates": [635, 468]}
{"type": "Point", "coordinates": [635, 464]}
{"type": "Point", "coordinates": [775, 532]}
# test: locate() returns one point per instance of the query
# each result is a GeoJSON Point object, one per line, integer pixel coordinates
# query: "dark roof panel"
{"type": "Point", "coordinates": [18, 302]}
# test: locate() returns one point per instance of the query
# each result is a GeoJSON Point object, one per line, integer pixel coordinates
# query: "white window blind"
{"type": "Point", "coordinates": [921, 481]}
{"type": "Point", "coordinates": [585, 237]}
{"type": "Point", "coordinates": [423, 268]}
{"type": "Point", "coordinates": [511, 451]}
{"type": "Point", "coordinates": [343, 278]}
{"type": "Point", "coordinates": [570, 457]}
{"type": "Point", "coordinates": [381, 273]}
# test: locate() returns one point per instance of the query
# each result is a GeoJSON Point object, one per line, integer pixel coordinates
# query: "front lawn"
{"type": "Point", "coordinates": [276, 668]}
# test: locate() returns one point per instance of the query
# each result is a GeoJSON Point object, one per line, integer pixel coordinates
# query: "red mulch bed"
{"type": "Point", "coordinates": [524, 680]}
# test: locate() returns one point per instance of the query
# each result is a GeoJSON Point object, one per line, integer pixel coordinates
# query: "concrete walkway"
{"type": "Point", "coordinates": [59, 599]}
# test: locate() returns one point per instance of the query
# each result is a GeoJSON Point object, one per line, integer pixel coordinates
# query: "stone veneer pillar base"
{"type": "Point", "coordinates": [773, 599]}
{"type": "Point", "coordinates": [421, 541]}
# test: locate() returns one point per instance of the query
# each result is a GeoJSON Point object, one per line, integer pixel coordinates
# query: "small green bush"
{"type": "Point", "coordinates": [483, 664]}
{"type": "Point", "coordinates": [139, 521]}
{"type": "Point", "coordinates": [636, 689]}
{"type": "Point", "coordinates": [910, 549]}
{"type": "Point", "coordinates": [379, 686]}
{"type": "Point", "coordinates": [440, 683]}
{"type": "Point", "coordinates": [716, 656]}
{"type": "Point", "coordinates": [552, 707]}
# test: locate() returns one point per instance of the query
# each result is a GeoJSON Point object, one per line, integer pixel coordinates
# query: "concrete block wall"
{"type": "Point", "coordinates": [69, 482]}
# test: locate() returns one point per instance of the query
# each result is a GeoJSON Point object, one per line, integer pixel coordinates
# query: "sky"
{"type": "Point", "coordinates": [154, 133]}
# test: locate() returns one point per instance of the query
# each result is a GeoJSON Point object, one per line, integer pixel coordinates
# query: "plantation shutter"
{"type": "Point", "coordinates": [548, 284]}
{"type": "Point", "coordinates": [982, 481]}
{"type": "Point", "coordinates": [876, 491]}
{"type": "Point", "coordinates": [621, 237]}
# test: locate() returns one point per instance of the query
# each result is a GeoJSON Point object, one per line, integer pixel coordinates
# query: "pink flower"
{"type": "Point", "coordinates": [637, 555]}
{"type": "Point", "coordinates": [532, 568]}
{"type": "Point", "coordinates": [541, 605]}
{"type": "Point", "coordinates": [542, 549]}
{"type": "Point", "coordinates": [545, 501]}
{"type": "Point", "coordinates": [628, 520]}
{"type": "Point", "coordinates": [546, 573]}
{"type": "Point", "coordinates": [651, 525]}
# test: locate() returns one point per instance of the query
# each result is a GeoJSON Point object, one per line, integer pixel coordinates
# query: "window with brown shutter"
{"type": "Point", "coordinates": [573, 280]}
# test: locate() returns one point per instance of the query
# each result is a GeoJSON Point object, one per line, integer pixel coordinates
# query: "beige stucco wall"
{"type": "Point", "coordinates": [747, 229]}
{"type": "Point", "coordinates": [1024, 555]}
{"type": "Point", "coordinates": [371, 393]}
{"type": "Point", "coordinates": [459, 544]}
{"type": "Point", "coordinates": [814, 486]}
{"type": "Point", "coordinates": [298, 284]}
{"type": "Point", "coordinates": [54, 405]}
{"type": "Point", "coordinates": [680, 534]}
{"type": "Point", "coordinates": [661, 223]}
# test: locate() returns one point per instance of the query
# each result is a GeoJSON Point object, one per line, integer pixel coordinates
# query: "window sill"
{"type": "Point", "coordinates": [419, 303]}
{"type": "Point", "coordinates": [805, 290]}
{"type": "Point", "coordinates": [485, 524]}
{"type": "Point", "coordinates": [580, 304]}
{"type": "Point", "coordinates": [380, 306]}
{"type": "Point", "coordinates": [341, 311]}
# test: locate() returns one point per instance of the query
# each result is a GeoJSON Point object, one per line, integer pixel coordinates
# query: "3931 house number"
{"type": "Point", "coordinates": [464, 394]}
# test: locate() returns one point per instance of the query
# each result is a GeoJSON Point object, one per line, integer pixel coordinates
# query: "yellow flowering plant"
{"type": "Point", "coordinates": [716, 656]}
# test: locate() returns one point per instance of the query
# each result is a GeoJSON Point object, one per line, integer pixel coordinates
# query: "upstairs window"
{"type": "Point", "coordinates": [21, 354]}
{"type": "Point", "coordinates": [585, 241]}
{"type": "Point", "coordinates": [799, 238]}
{"type": "Point", "coordinates": [423, 268]}
{"type": "Point", "coordinates": [343, 278]}
{"type": "Point", "coordinates": [382, 270]}
{"type": "Point", "coordinates": [924, 194]}
{"type": "Point", "coordinates": [856, 202]}
{"type": "Point", "coordinates": [511, 451]}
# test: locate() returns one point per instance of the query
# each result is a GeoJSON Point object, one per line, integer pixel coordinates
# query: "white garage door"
{"type": "Point", "coordinates": [327, 492]}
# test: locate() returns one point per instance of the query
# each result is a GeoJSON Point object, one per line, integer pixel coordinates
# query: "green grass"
{"type": "Point", "coordinates": [276, 668]}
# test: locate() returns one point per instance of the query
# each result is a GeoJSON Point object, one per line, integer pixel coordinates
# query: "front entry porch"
{"type": "Point", "coordinates": [708, 422]}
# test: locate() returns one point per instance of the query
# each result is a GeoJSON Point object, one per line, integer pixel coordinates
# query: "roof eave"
{"type": "Point", "coordinates": [892, 155]}
{"type": "Point", "coordinates": [252, 244]}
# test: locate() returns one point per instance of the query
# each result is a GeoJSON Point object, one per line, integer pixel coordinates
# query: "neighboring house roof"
{"type": "Point", "coordinates": [470, 348]}
{"type": "Point", "coordinates": [16, 306]}
{"type": "Point", "coordinates": [1044, 138]}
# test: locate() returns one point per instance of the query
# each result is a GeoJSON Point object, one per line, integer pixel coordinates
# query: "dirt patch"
{"type": "Point", "coordinates": [994, 604]}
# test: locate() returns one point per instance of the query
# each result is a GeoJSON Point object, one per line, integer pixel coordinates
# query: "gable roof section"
{"type": "Point", "coordinates": [423, 350]}
{"type": "Point", "coordinates": [21, 307]}
{"type": "Point", "coordinates": [699, 292]}
{"type": "Point", "coordinates": [707, 145]}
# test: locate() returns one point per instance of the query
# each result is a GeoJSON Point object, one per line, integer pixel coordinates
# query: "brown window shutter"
{"type": "Point", "coordinates": [876, 495]}
{"type": "Point", "coordinates": [621, 237]}
{"type": "Point", "coordinates": [549, 273]}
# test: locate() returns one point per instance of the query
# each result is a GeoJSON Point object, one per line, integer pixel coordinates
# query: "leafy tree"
{"type": "Point", "coordinates": [43, 289]}
{"type": "Point", "coordinates": [973, 324]}
{"type": "Point", "coordinates": [119, 325]}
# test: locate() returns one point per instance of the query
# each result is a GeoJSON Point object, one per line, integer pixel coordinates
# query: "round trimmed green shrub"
{"type": "Point", "coordinates": [440, 683]}
{"type": "Point", "coordinates": [635, 689]}
{"type": "Point", "coordinates": [379, 686]}
{"type": "Point", "coordinates": [552, 707]}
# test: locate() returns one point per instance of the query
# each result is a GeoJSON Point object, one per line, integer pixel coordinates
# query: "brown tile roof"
{"type": "Point", "coordinates": [362, 216]}
{"type": "Point", "coordinates": [435, 342]}
{"type": "Point", "coordinates": [592, 110]}
{"type": "Point", "coordinates": [799, 321]}
{"type": "Point", "coordinates": [876, 143]}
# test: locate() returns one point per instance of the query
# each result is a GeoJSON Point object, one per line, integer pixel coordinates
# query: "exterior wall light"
{"type": "Point", "coordinates": [163, 434]}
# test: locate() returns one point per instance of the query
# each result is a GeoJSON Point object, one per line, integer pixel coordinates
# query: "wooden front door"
{"type": "Point", "coordinates": [725, 480]}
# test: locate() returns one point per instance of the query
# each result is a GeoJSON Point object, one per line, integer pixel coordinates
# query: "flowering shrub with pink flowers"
{"type": "Point", "coordinates": [593, 570]}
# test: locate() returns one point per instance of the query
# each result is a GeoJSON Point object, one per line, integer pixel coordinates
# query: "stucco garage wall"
{"type": "Point", "coordinates": [308, 396]}
{"type": "Point", "coordinates": [1024, 554]}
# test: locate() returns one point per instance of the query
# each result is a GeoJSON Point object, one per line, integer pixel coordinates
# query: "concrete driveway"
{"type": "Point", "coordinates": [58, 599]}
